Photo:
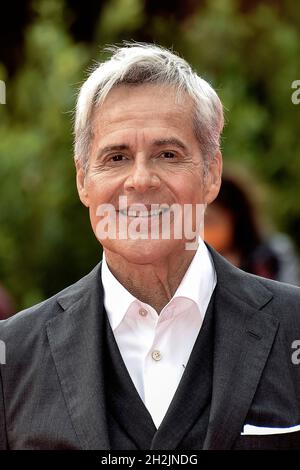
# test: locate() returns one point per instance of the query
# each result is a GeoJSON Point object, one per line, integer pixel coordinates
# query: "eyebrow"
{"type": "Point", "coordinates": [156, 143]}
{"type": "Point", "coordinates": [171, 141]}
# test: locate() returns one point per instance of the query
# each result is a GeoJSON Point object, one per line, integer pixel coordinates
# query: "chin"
{"type": "Point", "coordinates": [142, 251]}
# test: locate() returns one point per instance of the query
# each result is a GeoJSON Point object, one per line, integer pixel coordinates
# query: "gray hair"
{"type": "Point", "coordinates": [139, 63]}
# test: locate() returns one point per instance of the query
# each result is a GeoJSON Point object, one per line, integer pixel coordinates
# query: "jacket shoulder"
{"type": "Point", "coordinates": [278, 299]}
{"type": "Point", "coordinates": [282, 292]}
{"type": "Point", "coordinates": [33, 318]}
{"type": "Point", "coordinates": [285, 301]}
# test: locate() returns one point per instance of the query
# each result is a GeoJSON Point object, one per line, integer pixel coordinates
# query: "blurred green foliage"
{"type": "Point", "coordinates": [250, 57]}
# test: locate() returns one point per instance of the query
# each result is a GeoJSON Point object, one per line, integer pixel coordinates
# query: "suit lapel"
{"type": "Point", "coordinates": [75, 342]}
{"type": "Point", "coordinates": [244, 333]}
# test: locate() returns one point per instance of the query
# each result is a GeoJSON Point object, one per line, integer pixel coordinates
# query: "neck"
{"type": "Point", "coordinates": [153, 283]}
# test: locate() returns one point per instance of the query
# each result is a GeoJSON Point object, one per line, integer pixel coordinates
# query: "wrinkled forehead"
{"type": "Point", "coordinates": [143, 100]}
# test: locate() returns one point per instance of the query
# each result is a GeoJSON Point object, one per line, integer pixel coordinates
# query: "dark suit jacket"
{"type": "Point", "coordinates": [51, 390]}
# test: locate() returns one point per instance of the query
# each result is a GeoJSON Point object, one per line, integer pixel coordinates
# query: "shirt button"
{"type": "Point", "coordinates": [156, 355]}
{"type": "Point", "coordinates": [143, 312]}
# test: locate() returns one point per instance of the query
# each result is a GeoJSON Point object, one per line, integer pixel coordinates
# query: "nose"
{"type": "Point", "coordinates": [142, 177]}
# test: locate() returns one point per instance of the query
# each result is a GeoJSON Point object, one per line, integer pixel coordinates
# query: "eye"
{"type": "Point", "coordinates": [117, 158]}
{"type": "Point", "coordinates": [168, 155]}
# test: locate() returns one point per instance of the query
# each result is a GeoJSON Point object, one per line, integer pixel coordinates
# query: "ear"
{"type": "Point", "coordinates": [213, 178]}
{"type": "Point", "coordinates": [81, 184]}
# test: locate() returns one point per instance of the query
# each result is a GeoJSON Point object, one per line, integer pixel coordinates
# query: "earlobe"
{"type": "Point", "coordinates": [81, 186]}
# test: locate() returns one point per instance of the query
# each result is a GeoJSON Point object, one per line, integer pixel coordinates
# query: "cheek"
{"type": "Point", "coordinates": [189, 188]}
{"type": "Point", "coordinates": [100, 191]}
{"type": "Point", "coordinates": [98, 194]}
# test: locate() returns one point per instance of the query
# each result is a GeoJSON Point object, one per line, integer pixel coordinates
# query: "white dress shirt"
{"type": "Point", "coordinates": [156, 348]}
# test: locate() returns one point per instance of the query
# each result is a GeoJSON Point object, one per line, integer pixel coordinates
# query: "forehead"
{"type": "Point", "coordinates": [143, 106]}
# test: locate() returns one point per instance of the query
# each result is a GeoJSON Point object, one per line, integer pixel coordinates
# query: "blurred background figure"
{"type": "Point", "coordinates": [234, 227]}
{"type": "Point", "coordinates": [7, 307]}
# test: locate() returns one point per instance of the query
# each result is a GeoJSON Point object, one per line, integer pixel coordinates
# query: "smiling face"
{"type": "Point", "coordinates": [144, 148]}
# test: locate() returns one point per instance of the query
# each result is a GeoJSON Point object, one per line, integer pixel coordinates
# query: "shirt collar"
{"type": "Point", "coordinates": [197, 285]}
{"type": "Point", "coordinates": [199, 279]}
{"type": "Point", "coordinates": [117, 299]}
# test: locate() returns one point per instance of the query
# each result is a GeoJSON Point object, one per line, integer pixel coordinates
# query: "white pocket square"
{"type": "Point", "coordinates": [250, 430]}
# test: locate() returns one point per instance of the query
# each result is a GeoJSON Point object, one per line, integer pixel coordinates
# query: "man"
{"type": "Point", "coordinates": [164, 345]}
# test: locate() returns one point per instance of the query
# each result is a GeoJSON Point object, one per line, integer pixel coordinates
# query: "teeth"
{"type": "Point", "coordinates": [132, 213]}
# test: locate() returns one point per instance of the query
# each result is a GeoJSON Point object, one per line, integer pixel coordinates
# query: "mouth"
{"type": "Point", "coordinates": [142, 213]}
